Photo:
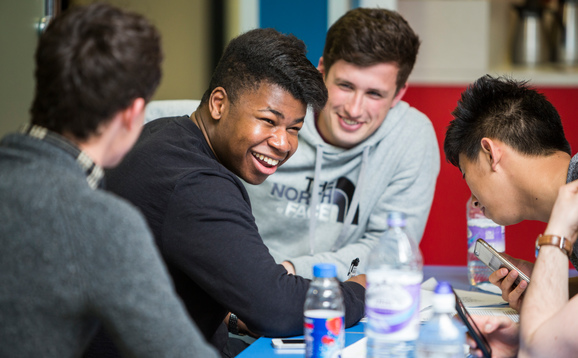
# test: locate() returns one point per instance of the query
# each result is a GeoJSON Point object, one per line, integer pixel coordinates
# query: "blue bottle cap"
{"type": "Point", "coordinates": [443, 288]}
{"type": "Point", "coordinates": [324, 270]}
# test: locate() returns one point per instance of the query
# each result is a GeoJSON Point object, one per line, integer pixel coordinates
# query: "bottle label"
{"type": "Point", "coordinates": [392, 304]}
{"type": "Point", "coordinates": [324, 334]}
{"type": "Point", "coordinates": [492, 233]}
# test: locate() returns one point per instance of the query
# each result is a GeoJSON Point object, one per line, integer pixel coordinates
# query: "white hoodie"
{"type": "Point", "coordinates": [395, 169]}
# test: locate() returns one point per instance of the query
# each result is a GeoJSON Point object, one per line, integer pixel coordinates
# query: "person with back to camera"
{"type": "Point", "coordinates": [184, 175]}
{"type": "Point", "coordinates": [364, 154]}
{"type": "Point", "coordinates": [509, 144]}
{"type": "Point", "coordinates": [74, 256]}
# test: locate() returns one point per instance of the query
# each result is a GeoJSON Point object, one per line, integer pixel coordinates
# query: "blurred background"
{"type": "Point", "coordinates": [534, 40]}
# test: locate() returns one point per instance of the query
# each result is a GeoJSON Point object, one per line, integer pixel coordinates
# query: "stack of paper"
{"type": "Point", "coordinates": [477, 303]}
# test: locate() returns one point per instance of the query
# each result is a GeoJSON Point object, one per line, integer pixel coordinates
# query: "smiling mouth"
{"type": "Point", "coordinates": [270, 162]}
{"type": "Point", "coordinates": [349, 122]}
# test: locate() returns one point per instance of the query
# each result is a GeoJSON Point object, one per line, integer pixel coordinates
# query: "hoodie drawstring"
{"type": "Point", "coordinates": [314, 198]}
{"type": "Point", "coordinates": [354, 201]}
{"type": "Point", "coordinates": [352, 209]}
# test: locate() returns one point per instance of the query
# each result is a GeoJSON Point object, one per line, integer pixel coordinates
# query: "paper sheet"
{"type": "Point", "coordinates": [356, 350]}
{"type": "Point", "coordinates": [477, 303]}
{"type": "Point", "coordinates": [496, 311]}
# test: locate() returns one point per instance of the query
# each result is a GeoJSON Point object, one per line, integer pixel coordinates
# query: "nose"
{"type": "Point", "coordinates": [354, 106]}
{"type": "Point", "coordinates": [475, 201]}
{"type": "Point", "coordinates": [280, 140]}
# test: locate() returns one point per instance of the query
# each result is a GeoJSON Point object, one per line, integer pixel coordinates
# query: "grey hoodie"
{"type": "Point", "coordinates": [395, 169]}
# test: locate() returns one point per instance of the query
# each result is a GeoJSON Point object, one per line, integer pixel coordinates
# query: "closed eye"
{"type": "Point", "coordinates": [267, 120]}
{"type": "Point", "coordinates": [345, 86]}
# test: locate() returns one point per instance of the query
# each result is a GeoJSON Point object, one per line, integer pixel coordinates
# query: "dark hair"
{"type": "Point", "coordinates": [265, 55]}
{"type": "Point", "coordinates": [508, 110]}
{"type": "Point", "coordinates": [366, 37]}
{"type": "Point", "coordinates": [92, 62]}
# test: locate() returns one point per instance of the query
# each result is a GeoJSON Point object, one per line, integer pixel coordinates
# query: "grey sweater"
{"type": "Point", "coordinates": [72, 258]}
{"type": "Point", "coordinates": [349, 190]}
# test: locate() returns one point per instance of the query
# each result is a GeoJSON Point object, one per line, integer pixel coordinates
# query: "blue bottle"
{"type": "Point", "coordinates": [443, 336]}
{"type": "Point", "coordinates": [324, 323]}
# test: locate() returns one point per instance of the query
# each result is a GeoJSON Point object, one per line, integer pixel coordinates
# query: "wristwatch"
{"type": "Point", "coordinates": [559, 241]}
{"type": "Point", "coordinates": [233, 328]}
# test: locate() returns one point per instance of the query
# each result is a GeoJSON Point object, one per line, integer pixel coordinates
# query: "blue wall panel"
{"type": "Point", "coordinates": [306, 19]}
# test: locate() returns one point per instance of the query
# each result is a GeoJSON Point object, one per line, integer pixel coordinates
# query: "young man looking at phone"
{"type": "Point", "coordinates": [364, 154]}
{"type": "Point", "coordinates": [548, 319]}
{"type": "Point", "coordinates": [509, 143]}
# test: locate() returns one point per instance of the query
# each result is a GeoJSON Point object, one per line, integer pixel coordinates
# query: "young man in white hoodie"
{"type": "Point", "coordinates": [365, 154]}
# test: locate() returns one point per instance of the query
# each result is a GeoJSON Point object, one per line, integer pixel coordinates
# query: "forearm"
{"type": "Point", "coordinates": [546, 296]}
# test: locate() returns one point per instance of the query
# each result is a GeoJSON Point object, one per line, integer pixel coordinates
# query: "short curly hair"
{"type": "Point", "coordinates": [267, 56]}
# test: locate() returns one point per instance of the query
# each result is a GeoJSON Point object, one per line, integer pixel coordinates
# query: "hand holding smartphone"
{"type": "Point", "coordinates": [481, 341]}
{"type": "Point", "coordinates": [494, 260]}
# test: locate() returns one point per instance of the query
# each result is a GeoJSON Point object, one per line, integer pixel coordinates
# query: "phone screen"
{"type": "Point", "coordinates": [473, 329]}
{"type": "Point", "coordinates": [293, 341]}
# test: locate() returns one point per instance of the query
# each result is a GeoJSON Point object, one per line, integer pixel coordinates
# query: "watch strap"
{"type": "Point", "coordinates": [554, 240]}
{"type": "Point", "coordinates": [233, 326]}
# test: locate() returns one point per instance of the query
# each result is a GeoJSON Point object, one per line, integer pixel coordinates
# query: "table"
{"type": "Point", "coordinates": [456, 275]}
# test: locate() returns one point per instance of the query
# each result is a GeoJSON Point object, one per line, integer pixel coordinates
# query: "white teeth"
{"type": "Point", "coordinates": [350, 122]}
{"type": "Point", "coordinates": [267, 160]}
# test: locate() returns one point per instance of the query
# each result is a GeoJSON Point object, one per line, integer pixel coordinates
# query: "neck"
{"type": "Point", "coordinates": [316, 116]}
{"type": "Point", "coordinates": [199, 118]}
{"type": "Point", "coordinates": [90, 146]}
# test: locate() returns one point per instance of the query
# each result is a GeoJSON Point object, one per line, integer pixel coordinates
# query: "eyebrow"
{"type": "Point", "coordinates": [275, 112]}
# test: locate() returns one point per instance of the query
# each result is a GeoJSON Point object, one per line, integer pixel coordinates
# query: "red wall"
{"type": "Point", "coordinates": [444, 241]}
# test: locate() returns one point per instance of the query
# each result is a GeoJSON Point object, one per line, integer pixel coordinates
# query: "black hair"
{"type": "Point", "coordinates": [508, 110]}
{"type": "Point", "coordinates": [267, 56]}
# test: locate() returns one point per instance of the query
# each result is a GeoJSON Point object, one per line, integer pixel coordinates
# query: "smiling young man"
{"type": "Point", "coordinates": [184, 175]}
{"type": "Point", "coordinates": [364, 154]}
{"type": "Point", "coordinates": [509, 144]}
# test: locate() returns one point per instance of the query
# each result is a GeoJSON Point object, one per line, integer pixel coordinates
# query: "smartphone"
{"type": "Point", "coordinates": [473, 329]}
{"type": "Point", "coordinates": [288, 343]}
{"type": "Point", "coordinates": [494, 260]}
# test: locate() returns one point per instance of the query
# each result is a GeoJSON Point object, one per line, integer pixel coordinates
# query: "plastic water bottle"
{"type": "Point", "coordinates": [324, 314]}
{"type": "Point", "coordinates": [480, 227]}
{"type": "Point", "coordinates": [442, 336]}
{"type": "Point", "coordinates": [394, 275]}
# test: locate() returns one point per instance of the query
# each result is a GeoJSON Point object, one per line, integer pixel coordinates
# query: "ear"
{"type": "Point", "coordinates": [492, 152]}
{"type": "Point", "coordinates": [399, 95]}
{"type": "Point", "coordinates": [133, 115]}
{"type": "Point", "coordinates": [320, 67]}
{"type": "Point", "coordinates": [217, 102]}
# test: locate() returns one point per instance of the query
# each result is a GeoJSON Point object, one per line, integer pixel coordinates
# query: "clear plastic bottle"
{"type": "Point", "coordinates": [480, 227]}
{"type": "Point", "coordinates": [324, 314]}
{"type": "Point", "coordinates": [443, 336]}
{"type": "Point", "coordinates": [394, 275]}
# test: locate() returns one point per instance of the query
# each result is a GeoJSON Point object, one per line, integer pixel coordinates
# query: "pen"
{"type": "Point", "coordinates": [353, 268]}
